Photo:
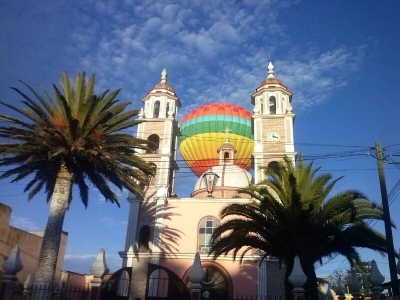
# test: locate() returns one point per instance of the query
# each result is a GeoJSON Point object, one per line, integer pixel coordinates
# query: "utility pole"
{"type": "Point", "coordinates": [388, 226]}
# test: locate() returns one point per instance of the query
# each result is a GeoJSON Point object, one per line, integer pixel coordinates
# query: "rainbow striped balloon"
{"type": "Point", "coordinates": [202, 134]}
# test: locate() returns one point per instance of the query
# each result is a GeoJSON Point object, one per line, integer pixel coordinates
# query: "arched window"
{"type": "Point", "coordinates": [207, 226]}
{"type": "Point", "coordinates": [158, 284]}
{"type": "Point", "coordinates": [274, 166]}
{"type": "Point", "coordinates": [272, 105]}
{"type": "Point", "coordinates": [144, 237]}
{"type": "Point", "coordinates": [226, 157]}
{"type": "Point", "coordinates": [153, 143]}
{"type": "Point", "coordinates": [215, 283]}
{"type": "Point", "coordinates": [156, 111]}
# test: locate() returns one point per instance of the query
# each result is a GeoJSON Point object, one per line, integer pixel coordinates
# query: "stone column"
{"type": "Point", "coordinates": [262, 278]}
{"type": "Point", "coordinates": [10, 267]}
{"type": "Point", "coordinates": [341, 290]}
{"type": "Point", "coordinates": [98, 270]}
{"type": "Point", "coordinates": [297, 279]}
{"type": "Point", "coordinates": [128, 254]}
{"type": "Point", "coordinates": [355, 286]}
{"type": "Point", "coordinates": [376, 278]}
{"type": "Point", "coordinates": [330, 293]}
{"type": "Point", "coordinates": [196, 275]}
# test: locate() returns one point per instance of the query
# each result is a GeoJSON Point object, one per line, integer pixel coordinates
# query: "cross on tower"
{"type": "Point", "coordinates": [226, 130]}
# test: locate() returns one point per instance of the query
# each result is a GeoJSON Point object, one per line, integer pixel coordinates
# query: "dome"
{"type": "Point", "coordinates": [231, 178]}
{"type": "Point", "coordinates": [206, 127]}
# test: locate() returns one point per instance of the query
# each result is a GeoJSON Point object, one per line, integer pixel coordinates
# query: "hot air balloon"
{"type": "Point", "coordinates": [203, 131]}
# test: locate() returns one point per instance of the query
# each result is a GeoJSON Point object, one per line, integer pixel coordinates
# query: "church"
{"type": "Point", "coordinates": [220, 142]}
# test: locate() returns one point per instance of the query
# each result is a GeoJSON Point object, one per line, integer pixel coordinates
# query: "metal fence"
{"type": "Point", "coordinates": [251, 297]}
{"type": "Point", "coordinates": [19, 292]}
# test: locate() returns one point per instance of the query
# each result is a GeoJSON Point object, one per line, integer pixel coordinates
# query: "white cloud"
{"type": "Point", "coordinates": [24, 224]}
{"type": "Point", "coordinates": [112, 222]}
{"type": "Point", "coordinates": [81, 263]}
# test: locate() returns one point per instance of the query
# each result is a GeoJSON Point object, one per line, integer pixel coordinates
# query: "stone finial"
{"type": "Point", "coordinates": [28, 285]}
{"type": "Point", "coordinates": [375, 277]}
{"type": "Point", "coordinates": [164, 76]}
{"type": "Point", "coordinates": [340, 289]}
{"type": "Point", "coordinates": [13, 263]}
{"type": "Point", "coordinates": [355, 284]}
{"type": "Point", "coordinates": [297, 278]}
{"type": "Point", "coordinates": [330, 293]}
{"type": "Point", "coordinates": [196, 273]}
{"type": "Point", "coordinates": [270, 70]}
{"type": "Point", "coordinates": [141, 113]}
{"type": "Point", "coordinates": [99, 267]}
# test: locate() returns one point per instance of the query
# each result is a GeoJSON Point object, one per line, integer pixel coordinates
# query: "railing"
{"type": "Point", "coordinates": [19, 292]}
{"type": "Point", "coordinates": [251, 297]}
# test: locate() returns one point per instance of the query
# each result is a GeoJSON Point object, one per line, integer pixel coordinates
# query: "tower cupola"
{"type": "Point", "coordinates": [161, 101]}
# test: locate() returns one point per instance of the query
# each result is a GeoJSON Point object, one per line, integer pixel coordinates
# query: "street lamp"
{"type": "Point", "coordinates": [210, 180]}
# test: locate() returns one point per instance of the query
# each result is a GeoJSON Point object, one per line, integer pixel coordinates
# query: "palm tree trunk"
{"type": "Point", "coordinates": [310, 287]}
{"type": "Point", "coordinates": [52, 235]}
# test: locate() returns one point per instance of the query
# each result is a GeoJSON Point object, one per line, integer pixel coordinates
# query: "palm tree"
{"type": "Point", "coordinates": [74, 138]}
{"type": "Point", "coordinates": [292, 214]}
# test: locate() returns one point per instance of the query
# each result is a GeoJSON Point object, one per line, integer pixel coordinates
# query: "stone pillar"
{"type": "Point", "coordinates": [297, 279]}
{"type": "Point", "coordinates": [376, 278]}
{"type": "Point", "coordinates": [355, 286]}
{"type": "Point", "coordinates": [98, 270]}
{"type": "Point", "coordinates": [128, 254]}
{"type": "Point", "coordinates": [341, 290]}
{"type": "Point", "coordinates": [28, 285]}
{"type": "Point", "coordinates": [262, 279]}
{"type": "Point", "coordinates": [196, 274]}
{"type": "Point", "coordinates": [330, 293]}
{"type": "Point", "coordinates": [10, 267]}
{"type": "Point", "coordinates": [140, 267]}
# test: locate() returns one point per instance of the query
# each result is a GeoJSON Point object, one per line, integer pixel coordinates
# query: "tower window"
{"type": "Point", "coordinates": [153, 143]}
{"type": "Point", "coordinates": [144, 237]}
{"type": "Point", "coordinates": [167, 110]}
{"type": "Point", "coordinates": [274, 167]}
{"type": "Point", "coordinates": [207, 227]}
{"type": "Point", "coordinates": [156, 111]}
{"type": "Point", "coordinates": [226, 157]}
{"type": "Point", "coordinates": [272, 105]}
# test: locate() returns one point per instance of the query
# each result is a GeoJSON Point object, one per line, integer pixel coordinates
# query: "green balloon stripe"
{"type": "Point", "coordinates": [215, 126]}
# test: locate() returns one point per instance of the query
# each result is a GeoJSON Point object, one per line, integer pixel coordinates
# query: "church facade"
{"type": "Point", "coordinates": [165, 231]}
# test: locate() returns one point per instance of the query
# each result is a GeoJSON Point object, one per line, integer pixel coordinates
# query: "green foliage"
{"type": "Point", "coordinates": [77, 128]}
{"type": "Point", "coordinates": [294, 213]}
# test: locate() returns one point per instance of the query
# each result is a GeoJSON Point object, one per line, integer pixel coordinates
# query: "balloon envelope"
{"type": "Point", "coordinates": [202, 134]}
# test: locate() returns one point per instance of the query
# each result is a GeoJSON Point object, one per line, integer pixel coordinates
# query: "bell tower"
{"type": "Point", "coordinates": [159, 126]}
{"type": "Point", "coordinates": [272, 124]}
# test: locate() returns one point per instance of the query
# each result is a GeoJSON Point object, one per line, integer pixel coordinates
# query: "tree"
{"type": "Point", "coordinates": [69, 140]}
{"type": "Point", "coordinates": [292, 214]}
{"type": "Point", "coordinates": [362, 269]}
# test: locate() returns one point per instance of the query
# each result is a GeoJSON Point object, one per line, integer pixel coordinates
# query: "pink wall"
{"type": "Point", "coordinates": [180, 238]}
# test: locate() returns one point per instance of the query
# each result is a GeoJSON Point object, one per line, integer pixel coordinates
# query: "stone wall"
{"type": "Point", "coordinates": [29, 244]}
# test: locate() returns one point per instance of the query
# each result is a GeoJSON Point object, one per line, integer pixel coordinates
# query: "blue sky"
{"type": "Point", "coordinates": [339, 58]}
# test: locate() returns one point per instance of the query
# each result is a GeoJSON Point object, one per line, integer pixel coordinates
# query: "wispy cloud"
{"type": "Point", "coordinates": [81, 263]}
{"type": "Point", "coordinates": [220, 50]}
{"type": "Point", "coordinates": [24, 224]}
